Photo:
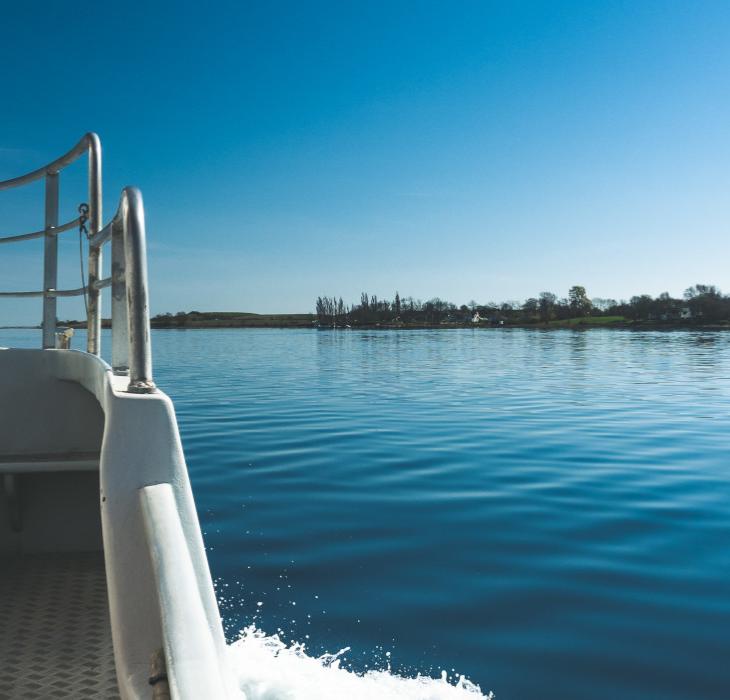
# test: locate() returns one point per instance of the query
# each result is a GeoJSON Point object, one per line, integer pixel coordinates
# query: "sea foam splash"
{"type": "Point", "coordinates": [270, 669]}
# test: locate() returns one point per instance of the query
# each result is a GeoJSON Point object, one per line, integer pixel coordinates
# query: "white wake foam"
{"type": "Point", "coordinates": [270, 669]}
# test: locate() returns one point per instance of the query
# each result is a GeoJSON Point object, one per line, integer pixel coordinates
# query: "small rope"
{"type": "Point", "coordinates": [84, 212]}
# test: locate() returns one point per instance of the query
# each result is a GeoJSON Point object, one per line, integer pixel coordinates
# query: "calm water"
{"type": "Point", "coordinates": [546, 512]}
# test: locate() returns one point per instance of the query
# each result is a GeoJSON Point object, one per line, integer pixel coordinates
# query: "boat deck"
{"type": "Point", "coordinates": [55, 637]}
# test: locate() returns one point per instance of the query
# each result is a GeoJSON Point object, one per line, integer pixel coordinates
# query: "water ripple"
{"type": "Point", "coordinates": [544, 511]}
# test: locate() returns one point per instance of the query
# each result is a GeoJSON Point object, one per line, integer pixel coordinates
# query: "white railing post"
{"type": "Point", "coordinates": [50, 261]}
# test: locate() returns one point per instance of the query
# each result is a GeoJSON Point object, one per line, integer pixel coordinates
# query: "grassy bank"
{"type": "Point", "coordinates": [232, 319]}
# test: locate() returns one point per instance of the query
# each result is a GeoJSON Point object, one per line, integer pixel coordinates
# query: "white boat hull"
{"type": "Point", "coordinates": [60, 409]}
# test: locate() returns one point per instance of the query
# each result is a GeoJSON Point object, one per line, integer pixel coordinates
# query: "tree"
{"type": "Point", "coordinates": [706, 301]}
{"type": "Point", "coordinates": [325, 310]}
{"type": "Point", "coordinates": [341, 313]}
{"type": "Point", "coordinates": [580, 304]}
{"type": "Point", "coordinates": [665, 307]}
{"type": "Point", "coordinates": [546, 304]}
{"type": "Point", "coordinates": [699, 290]}
{"type": "Point", "coordinates": [601, 304]}
{"type": "Point", "coordinates": [531, 306]}
{"type": "Point", "coordinates": [396, 305]}
{"type": "Point", "coordinates": [640, 307]}
{"type": "Point", "coordinates": [562, 309]}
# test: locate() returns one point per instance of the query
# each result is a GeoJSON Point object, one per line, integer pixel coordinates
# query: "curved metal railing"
{"type": "Point", "coordinates": [130, 312]}
{"type": "Point", "coordinates": [130, 309]}
{"type": "Point", "coordinates": [74, 223]}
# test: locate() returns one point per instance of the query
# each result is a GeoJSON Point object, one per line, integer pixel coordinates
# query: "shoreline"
{"type": "Point", "coordinates": [552, 325]}
{"type": "Point", "coordinates": [569, 324]}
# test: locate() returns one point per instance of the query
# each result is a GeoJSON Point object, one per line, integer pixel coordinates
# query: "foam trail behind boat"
{"type": "Point", "coordinates": [269, 669]}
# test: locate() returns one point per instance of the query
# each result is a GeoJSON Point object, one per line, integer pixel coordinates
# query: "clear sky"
{"type": "Point", "coordinates": [466, 150]}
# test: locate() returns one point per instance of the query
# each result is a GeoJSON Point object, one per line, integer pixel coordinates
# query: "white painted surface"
{"type": "Point", "coordinates": [56, 400]}
{"type": "Point", "coordinates": [192, 667]}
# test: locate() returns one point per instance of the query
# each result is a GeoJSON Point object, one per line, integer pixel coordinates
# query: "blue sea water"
{"type": "Point", "coordinates": [546, 512]}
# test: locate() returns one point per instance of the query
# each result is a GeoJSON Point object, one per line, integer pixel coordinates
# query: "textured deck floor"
{"type": "Point", "coordinates": [55, 639]}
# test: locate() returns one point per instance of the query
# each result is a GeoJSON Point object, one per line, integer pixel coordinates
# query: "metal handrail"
{"type": "Point", "coordinates": [86, 142]}
{"type": "Point", "coordinates": [48, 292]}
{"type": "Point", "coordinates": [130, 310]}
{"type": "Point", "coordinates": [39, 234]}
{"type": "Point", "coordinates": [90, 145]}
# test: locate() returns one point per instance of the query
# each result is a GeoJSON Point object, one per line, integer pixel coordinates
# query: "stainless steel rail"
{"type": "Point", "coordinates": [90, 145]}
{"type": "Point", "coordinates": [130, 311]}
{"type": "Point", "coordinates": [38, 234]}
{"type": "Point", "coordinates": [130, 308]}
{"type": "Point", "coordinates": [47, 293]}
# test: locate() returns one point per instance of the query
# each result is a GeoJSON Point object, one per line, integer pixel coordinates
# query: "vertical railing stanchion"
{"type": "Point", "coordinates": [138, 319]}
{"type": "Point", "coordinates": [50, 261]}
{"type": "Point", "coordinates": [93, 343]}
{"type": "Point", "coordinates": [120, 331]}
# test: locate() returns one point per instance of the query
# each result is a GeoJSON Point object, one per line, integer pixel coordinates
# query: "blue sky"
{"type": "Point", "coordinates": [467, 150]}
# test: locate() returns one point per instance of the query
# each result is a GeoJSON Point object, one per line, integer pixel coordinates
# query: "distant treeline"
{"type": "Point", "coordinates": [702, 303]}
{"type": "Point", "coordinates": [230, 319]}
